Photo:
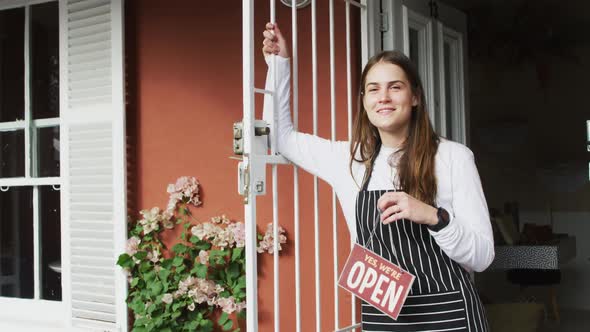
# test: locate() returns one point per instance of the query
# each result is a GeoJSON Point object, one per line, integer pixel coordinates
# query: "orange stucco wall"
{"type": "Point", "coordinates": [184, 67]}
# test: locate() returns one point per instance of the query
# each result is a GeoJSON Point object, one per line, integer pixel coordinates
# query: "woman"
{"type": "Point", "coordinates": [407, 194]}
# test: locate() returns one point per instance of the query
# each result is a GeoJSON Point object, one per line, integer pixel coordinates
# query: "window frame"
{"type": "Point", "coordinates": [17, 309]}
{"type": "Point", "coordinates": [454, 39]}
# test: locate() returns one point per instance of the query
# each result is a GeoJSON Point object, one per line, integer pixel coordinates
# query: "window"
{"type": "Point", "coordinates": [30, 234]}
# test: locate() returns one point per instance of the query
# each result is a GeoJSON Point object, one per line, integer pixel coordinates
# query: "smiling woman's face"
{"type": "Point", "coordinates": [388, 99]}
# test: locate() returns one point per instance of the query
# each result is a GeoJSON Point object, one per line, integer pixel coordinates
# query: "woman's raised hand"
{"type": "Point", "coordinates": [274, 42]}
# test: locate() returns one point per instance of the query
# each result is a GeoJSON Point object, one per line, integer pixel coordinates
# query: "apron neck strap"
{"type": "Point", "coordinates": [369, 168]}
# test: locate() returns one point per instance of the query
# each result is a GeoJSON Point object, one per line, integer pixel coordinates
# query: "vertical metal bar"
{"type": "Point", "coordinates": [348, 73]}
{"type": "Point", "coordinates": [295, 76]}
{"type": "Point", "coordinates": [27, 102]}
{"type": "Point", "coordinates": [36, 244]}
{"type": "Point", "coordinates": [275, 196]}
{"type": "Point", "coordinates": [316, 212]}
{"type": "Point", "coordinates": [30, 145]}
{"type": "Point", "coordinates": [349, 118]}
{"type": "Point", "coordinates": [273, 64]}
{"type": "Point", "coordinates": [333, 138]}
{"type": "Point", "coordinates": [275, 217]}
{"type": "Point", "coordinates": [248, 126]}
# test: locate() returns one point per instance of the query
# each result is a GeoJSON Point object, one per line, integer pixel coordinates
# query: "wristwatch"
{"type": "Point", "coordinates": [443, 220]}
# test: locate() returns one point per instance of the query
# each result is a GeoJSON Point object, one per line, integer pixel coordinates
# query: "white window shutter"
{"type": "Point", "coordinates": [94, 221]}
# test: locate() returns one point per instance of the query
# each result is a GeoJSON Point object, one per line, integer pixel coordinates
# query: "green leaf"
{"type": "Point", "coordinates": [202, 245]}
{"type": "Point", "coordinates": [207, 325]}
{"type": "Point", "coordinates": [228, 325]}
{"type": "Point", "coordinates": [177, 305]}
{"type": "Point", "coordinates": [179, 248]}
{"type": "Point", "coordinates": [125, 261]}
{"type": "Point", "coordinates": [191, 326]}
{"type": "Point", "coordinates": [137, 230]}
{"type": "Point", "coordinates": [140, 255]}
{"type": "Point", "coordinates": [242, 314]}
{"type": "Point", "coordinates": [200, 270]}
{"type": "Point", "coordinates": [134, 282]}
{"type": "Point", "coordinates": [236, 254]}
{"type": "Point", "coordinates": [233, 271]}
{"type": "Point", "coordinates": [149, 276]}
{"type": "Point", "coordinates": [242, 281]}
{"type": "Point", "coordinates": [164, 273]}
{"type": "Point", "coordinates": [142, 321]}
{"type": "Point", "coordinates": [137, 307]}
{"type": "Point", "coordinates": [167, 263]}
{"type": "Point", "coordinates": [156, 288]}
{"type": "Point", "coordinates": [176, 314]}
{"type": "Point", "coordinates": [223, 318]}
{"type": "Point", "coordinates": [151, 308]}
{"type": "Point", "coordinates": [145, 266]}
{"type": "Point", "coordinates": [177, 261]}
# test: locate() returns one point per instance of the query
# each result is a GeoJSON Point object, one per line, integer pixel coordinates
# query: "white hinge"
{"type": "Point", "coordinates": [383, 22]}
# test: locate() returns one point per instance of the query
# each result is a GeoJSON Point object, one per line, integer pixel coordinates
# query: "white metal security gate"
{"type": "Point", "coordinates": [253, 142]}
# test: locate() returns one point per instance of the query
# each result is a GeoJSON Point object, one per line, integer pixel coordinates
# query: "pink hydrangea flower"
{"type": "Point", "coordinates": [167, 298]}
{"type": "Point", "coordinates": [223, 219]}
{"type": "Point", "coordinates": [132, 245]}
{"type": "Point", "coordinates": [223, 238]}
{"type": "Point", "coordinates": [239, 233]}
{"type": "Point", "coordinates": [150, 220]}
{"type": "Point", "coordinates": [205, 230]}
{"type": "Point", "coordinates": [184, 188]}
{"type": "Point", "coordinates": [267, 243]}
{"type": "Point", "coordinates": [153, 256]}
{"type": "Point", "coordinates": [227, 304]}
{"type": "Point", "coordinates": [203, 257]}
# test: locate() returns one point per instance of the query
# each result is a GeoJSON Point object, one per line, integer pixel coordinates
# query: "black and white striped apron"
{"type": "Point", "coordinates": [442, 297]}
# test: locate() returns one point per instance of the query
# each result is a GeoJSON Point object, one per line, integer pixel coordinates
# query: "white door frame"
{"type": "Point", "coordinates": [450, 26]}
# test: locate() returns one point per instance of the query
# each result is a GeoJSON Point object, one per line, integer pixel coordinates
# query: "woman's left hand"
{"type": "Point", "coordinates": [397, 205]}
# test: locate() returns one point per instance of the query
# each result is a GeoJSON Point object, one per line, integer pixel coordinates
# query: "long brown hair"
{"type": "Point", "coordinates": [415, 170]}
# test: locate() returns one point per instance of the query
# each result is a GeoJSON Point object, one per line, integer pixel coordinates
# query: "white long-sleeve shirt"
{"type": "Point", "coordinates": [467, 239]}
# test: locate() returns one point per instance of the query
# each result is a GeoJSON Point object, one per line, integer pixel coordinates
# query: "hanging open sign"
{"type": "Point", "coordinates": [376, 280]}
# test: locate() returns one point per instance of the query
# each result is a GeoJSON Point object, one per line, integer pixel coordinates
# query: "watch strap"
{"type": "Point", "coordinates": [443, 220]}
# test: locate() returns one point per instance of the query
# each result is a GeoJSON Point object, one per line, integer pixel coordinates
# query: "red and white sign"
{"type": "Point", "coordinates": [376, 280]}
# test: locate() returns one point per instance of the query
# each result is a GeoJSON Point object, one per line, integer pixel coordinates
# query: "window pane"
{"type": "Point", "coordinates": [48, 151]}
{"type": "Point", "coordinates": [16, 242]}
{"type": "Point", "coordinates": [414, 48]}
{"type": "Point", "coordinates": [45, 60]}
{"type": "Point", "coordinates": [12, 153]}
{"type": "Point", "coordinates": [12, 64]}
{"type": "Point", "coordinates": [49, 220]}
{"type": "Point", "coordinates": [448, 91]}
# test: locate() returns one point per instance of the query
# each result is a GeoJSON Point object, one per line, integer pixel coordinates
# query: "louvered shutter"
{"type": "Point", "coordinates": [93, 163]}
